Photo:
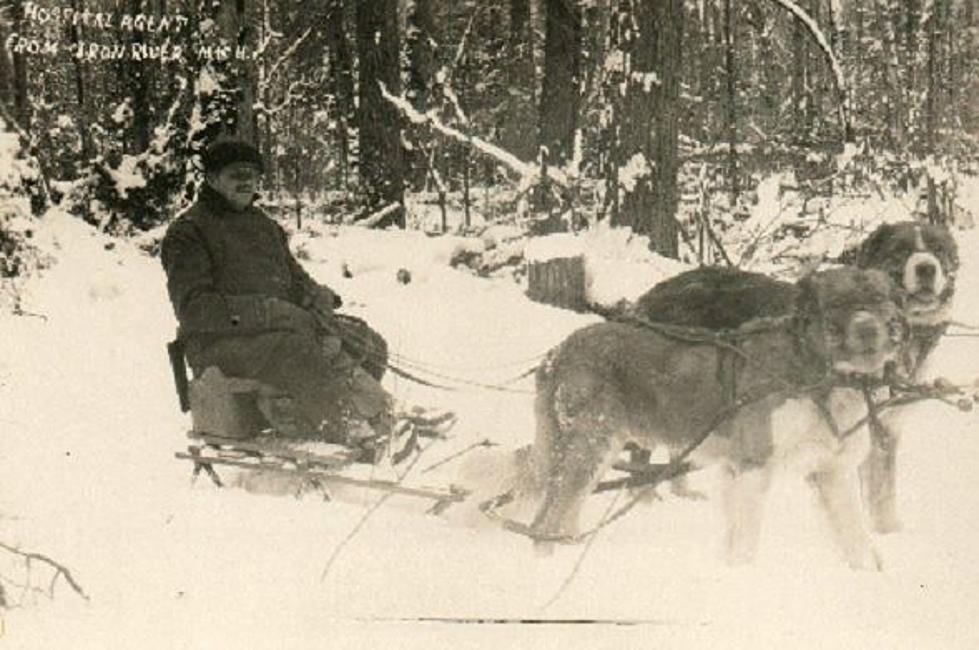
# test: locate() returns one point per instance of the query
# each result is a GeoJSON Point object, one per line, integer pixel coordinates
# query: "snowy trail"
{"type": "Point", "coordinates": [87, 476]}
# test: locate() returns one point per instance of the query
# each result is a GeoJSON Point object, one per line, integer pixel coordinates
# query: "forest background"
{"type": "Point", "coordinates": [547, 114]}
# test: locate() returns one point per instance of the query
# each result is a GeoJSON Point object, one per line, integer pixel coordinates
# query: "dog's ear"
{"type": "Point", "coordinates": [869, 251]}
{"type": "Point", "coordinates": [808, 297]}
{"type": "Point", "coordinates": [848, 256]}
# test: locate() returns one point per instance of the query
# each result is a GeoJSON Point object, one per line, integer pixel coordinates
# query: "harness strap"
{"type": "Point", "coordinates": [879, 434]}
{"type": "Point", "coordinates": [822, 403]}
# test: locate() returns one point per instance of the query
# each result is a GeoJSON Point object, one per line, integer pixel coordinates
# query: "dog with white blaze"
{"type": "Point", "coordinates": [923, 260]}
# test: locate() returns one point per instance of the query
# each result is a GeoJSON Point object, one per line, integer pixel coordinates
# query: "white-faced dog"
{"type": "Point", "coordinates": [922, 259]}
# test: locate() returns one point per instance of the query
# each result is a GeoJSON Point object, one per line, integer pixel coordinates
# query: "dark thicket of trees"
{"type": "Point", "coordinates": [626, 107]}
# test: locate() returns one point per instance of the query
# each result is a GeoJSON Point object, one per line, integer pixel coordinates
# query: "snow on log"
{"type": "Point", "coordinates": [377, 217]}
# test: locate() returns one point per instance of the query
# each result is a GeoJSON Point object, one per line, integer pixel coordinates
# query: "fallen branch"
{"type": "Point", "coordinates": [377, 217]}
{"type": "Point", "coordinates": [529, 173]}
{"type": "Point", "coordinates": [59, 570]}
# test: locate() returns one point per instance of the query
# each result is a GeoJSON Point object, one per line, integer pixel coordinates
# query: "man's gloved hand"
{"type": "Point", "coordinates": [323, 300]}
{"type": "Point", "coordinates": [284, 315]}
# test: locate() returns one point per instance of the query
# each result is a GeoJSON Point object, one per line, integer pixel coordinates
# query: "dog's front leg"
{"type": "Point", "coordinates": [838, 487]}
{"type": "Point", "coordinates": [746, 479]}
{"type": "Point", "coordinates": [878, 479]}
{"type": "Point", "coordinates": [743, 501]}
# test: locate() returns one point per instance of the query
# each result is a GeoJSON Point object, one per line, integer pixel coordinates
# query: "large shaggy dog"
{"type": "Point", "coordinates": [921, 259]}
{"type": "Point", "coordinates": [615, 383]}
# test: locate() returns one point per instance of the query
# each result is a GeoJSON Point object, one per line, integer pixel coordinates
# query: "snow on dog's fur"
{"type": "Point", "coordinates": [611, 384]}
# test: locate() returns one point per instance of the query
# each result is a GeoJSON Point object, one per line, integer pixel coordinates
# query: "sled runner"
{"type": "Point", "coordinates": [247, 425]}
{"type": "Point", "coordinates": [314, 470]}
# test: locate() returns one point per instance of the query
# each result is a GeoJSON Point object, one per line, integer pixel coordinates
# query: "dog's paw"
{"type": "Point", "coordinates": [887, 524]}
{"type": "Point", "coordinates": [684, 491]}
{"type": "Point", "coordinates": [644, 494]}
{"type": "Point", "coordinates": [543, 549]}
{"type": "Point", "coordinates": [869, 561]}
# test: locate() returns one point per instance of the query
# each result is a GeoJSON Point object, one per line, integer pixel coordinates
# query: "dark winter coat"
{"type": "Point", "coordinates": [239, 296]}
{"type": "Point", "coordinates": [222, 264]}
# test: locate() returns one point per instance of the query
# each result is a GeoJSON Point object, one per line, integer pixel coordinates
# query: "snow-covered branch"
{"type": "Point", "coordinates": [379, 216]}
{"type": "Point", "coordinates": [528, 173]}
{"type": "Point", "coordinates": [834, 63]}
{"type": "Point", "coordinates": [289, 51]}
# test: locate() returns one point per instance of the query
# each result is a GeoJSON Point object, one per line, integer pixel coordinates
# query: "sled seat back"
{"type": "Point", "coordinates": [231, 407]}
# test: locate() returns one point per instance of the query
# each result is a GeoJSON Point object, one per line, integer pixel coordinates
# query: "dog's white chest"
{"type": "Point", "coordinates": [808, 436]}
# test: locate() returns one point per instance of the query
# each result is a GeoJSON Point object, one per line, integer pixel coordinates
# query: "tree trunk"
{"type": "Point", "coordinates": [650, 36]}
{"type": "Point", "coordinates": [76, 38]}
{"type": "Point", "coordinates": [559, 100]}
{"type": "Point", "coordinates": [896, 90]}
{"type": "Point", "coordinates": [22, 107]}
{"type": "Point", "coordinates": [6, 74]}
{"type": "Point", "coordinates": [800, 83]}
{"type": "Point", "coordinates": [421, 69]}
{"type": "Point", "coordinates": [136, 73]}
{"type": "Point", "coordinates": [236, 33]}
{"type": "Point", "coordinates": [341, 82]}
{"type": "Point", "coordinates": [381, 167]}
{"type": "Point", "coordinates": [518, 135]}
{"type": "Point", "coordinates": [933, 72]}
{"type": "Point", "coordinates": [731, 97]}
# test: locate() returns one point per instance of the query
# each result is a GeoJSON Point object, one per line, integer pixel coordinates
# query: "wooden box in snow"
{"type": "Point", "coordinates": [231, 407]}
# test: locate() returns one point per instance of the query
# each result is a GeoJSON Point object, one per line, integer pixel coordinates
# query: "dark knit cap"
{"type": "Point", "coordinates": [222, 154]}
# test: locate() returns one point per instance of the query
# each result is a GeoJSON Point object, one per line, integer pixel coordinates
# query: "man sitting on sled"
{"type": "Point", "coordinates": [247, 307]}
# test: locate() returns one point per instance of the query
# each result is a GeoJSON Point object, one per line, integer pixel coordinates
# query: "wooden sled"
{"type": "Point", "coordinates": [247, 425]}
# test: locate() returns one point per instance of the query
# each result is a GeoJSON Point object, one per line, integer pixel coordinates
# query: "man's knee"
{"type": "Point", "coordinates": [364, 345]}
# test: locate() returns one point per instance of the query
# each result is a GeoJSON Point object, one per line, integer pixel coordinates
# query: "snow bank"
{"type": "Point", "coordinates": [87, 476]}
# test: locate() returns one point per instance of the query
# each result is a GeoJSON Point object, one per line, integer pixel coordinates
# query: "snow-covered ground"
{"type": "Point", "coordinates": [87, 476]}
